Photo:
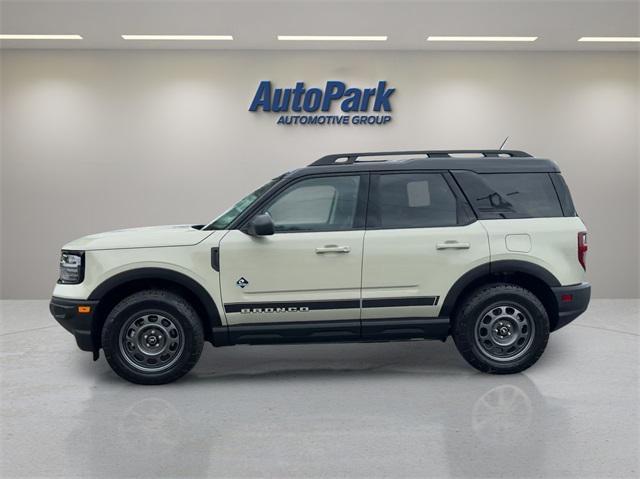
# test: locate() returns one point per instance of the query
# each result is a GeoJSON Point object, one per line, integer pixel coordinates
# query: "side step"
{"type": "Point", "coordinates": [404, 328]}
{"type": "Point", "coordinates": [399, 329]}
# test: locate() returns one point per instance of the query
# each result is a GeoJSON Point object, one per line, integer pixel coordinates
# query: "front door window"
{"type": "Point", "coordinates": [317, 204]}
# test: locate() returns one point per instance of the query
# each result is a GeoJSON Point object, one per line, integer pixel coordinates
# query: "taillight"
{"type": "Point", "coordinates": [582, 249]}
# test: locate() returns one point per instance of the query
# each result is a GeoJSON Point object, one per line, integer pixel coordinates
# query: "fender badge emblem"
{"type": "Point", "coordinates": [242, 282]}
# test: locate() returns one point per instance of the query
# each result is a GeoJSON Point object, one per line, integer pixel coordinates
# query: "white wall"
{"type": "Point", "coordinates": [98, 140]}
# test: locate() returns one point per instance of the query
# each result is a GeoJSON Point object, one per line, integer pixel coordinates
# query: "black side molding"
{"type": "Point", "coordinates": [291, 306]}
{"type": "Point", "coordinates": [392, 302]}
{"type": "Point", "coordinates": [301, 306]}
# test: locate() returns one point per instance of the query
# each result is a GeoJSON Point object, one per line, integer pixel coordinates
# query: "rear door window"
{"type": "Point", "coordinates": [411, 200]}
{"type": "Point", "coordinates": [510, 195]}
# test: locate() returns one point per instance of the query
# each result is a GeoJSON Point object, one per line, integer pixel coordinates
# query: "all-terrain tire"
{"type": "Point", "coordinates": [152, 337]}
{"type": "Point", "coordinates": [501, 328]}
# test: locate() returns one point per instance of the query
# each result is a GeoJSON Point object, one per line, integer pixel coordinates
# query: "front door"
{"type": "Point", "coordinates": [307, 273]}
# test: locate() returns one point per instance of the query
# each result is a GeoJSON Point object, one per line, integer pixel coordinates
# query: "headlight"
{"type": "Point", "coordinates": [71, 267]}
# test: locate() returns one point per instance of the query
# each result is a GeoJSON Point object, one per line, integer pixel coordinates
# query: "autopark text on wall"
{"type": "Point", "coordinates": [300, 105]}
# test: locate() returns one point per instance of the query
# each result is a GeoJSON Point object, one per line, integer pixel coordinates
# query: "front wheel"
{"type": "Point", "coordinates": [501, 329]}
{"type": "Point", "coordinates": [152, 337]}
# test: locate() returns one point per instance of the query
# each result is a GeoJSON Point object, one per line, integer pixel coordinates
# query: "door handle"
{"type": "Point", "coordinates": [452, 245]}
{"type": "Point", "coordinates": [332, 248]}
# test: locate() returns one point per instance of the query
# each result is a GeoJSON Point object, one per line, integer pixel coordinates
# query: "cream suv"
{"type": "Point", "coordinates": [484, 246]}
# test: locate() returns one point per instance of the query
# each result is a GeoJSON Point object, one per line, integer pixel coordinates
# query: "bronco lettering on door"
{"type": "Point", "coordinates": [293, 309]}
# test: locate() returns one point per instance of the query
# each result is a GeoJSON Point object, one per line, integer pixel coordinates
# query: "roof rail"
{"type": "Point", "coordinates": [350, 158]}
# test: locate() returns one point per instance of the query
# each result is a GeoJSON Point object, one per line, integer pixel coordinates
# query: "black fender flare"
{"type": "Point", "coordinates": [495, 267]}
{"type": "Point", "coordinates": [160, 274]}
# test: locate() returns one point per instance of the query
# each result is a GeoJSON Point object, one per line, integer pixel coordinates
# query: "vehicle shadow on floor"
{"type": "Point", "coordinates": [316, 361]}
{"type": "Point", "coordinates": [310, 361]}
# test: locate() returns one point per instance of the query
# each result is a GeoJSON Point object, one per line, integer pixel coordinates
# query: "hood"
{"type": "Point", "coordinates": [148, 237]}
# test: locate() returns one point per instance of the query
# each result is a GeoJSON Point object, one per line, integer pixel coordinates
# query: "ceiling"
{"type": "Point", "coordinates": [255, 24]}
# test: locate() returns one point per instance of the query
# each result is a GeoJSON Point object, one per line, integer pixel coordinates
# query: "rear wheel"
{"type": "Point", "coordinates": [501, 329]}
{"type": "Point", "coordinates": [152, 337]}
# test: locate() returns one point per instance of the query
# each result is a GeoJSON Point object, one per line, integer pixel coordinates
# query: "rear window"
{"type": "Point", "coordinates": [510, 195]}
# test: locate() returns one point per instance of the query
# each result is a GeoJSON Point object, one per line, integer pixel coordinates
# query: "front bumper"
{"type": "Point", "coordinates": [572, 302]}
{"type": "Point", "coordinates": [69, 313]}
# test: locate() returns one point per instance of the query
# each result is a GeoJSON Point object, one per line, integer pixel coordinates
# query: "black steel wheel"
{"type": "Point", "coordinates": [151, 342]}
{"type": "Point", "coordinates": [152, 337]}
{"type": "Point", "coordinates": [504, 331]}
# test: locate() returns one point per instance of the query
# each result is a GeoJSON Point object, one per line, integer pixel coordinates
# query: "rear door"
{"type": "Point", "coordinates": [310, 269]}
{"type": "Point", "coordinates": [421, 237]}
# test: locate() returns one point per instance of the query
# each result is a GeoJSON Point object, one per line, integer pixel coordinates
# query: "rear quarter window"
{"type": "Point", "coordinates": [510, 195]}
{"type": "Point", "coordinates": [563, 194]}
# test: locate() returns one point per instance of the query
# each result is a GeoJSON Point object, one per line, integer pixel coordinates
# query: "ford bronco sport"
{"type": "Point", "coordinates": [484, 246]}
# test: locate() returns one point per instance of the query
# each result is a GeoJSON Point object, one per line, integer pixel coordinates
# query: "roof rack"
{"type": "Point", "coordinates": [350, 158]}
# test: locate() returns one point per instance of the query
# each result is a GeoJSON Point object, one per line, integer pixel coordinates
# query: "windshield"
{"type": "Point", "coordinates": [226, 218]}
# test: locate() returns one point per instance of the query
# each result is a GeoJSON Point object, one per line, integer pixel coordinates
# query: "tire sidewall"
{"type": "Point", "coordinates": [133, 306]}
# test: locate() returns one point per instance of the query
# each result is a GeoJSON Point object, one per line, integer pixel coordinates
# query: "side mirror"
{"type": "Point", "coordinates": [261, 225]}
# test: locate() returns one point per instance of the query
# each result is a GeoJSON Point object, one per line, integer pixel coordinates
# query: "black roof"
{"type": "Point", "coordinates": [480, 161]}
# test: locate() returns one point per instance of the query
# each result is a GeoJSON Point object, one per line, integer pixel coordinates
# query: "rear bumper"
{"type": "Point", "coordinates": [572, 302]}
{"type": "Point", "coordinates": [80, 324]}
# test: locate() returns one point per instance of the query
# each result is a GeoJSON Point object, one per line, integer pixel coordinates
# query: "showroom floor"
{"type": "Point", "coordinates": [371, 410]}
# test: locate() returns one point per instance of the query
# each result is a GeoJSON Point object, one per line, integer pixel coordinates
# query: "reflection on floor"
{"type": "Point", "coordinates": [368, 410]}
